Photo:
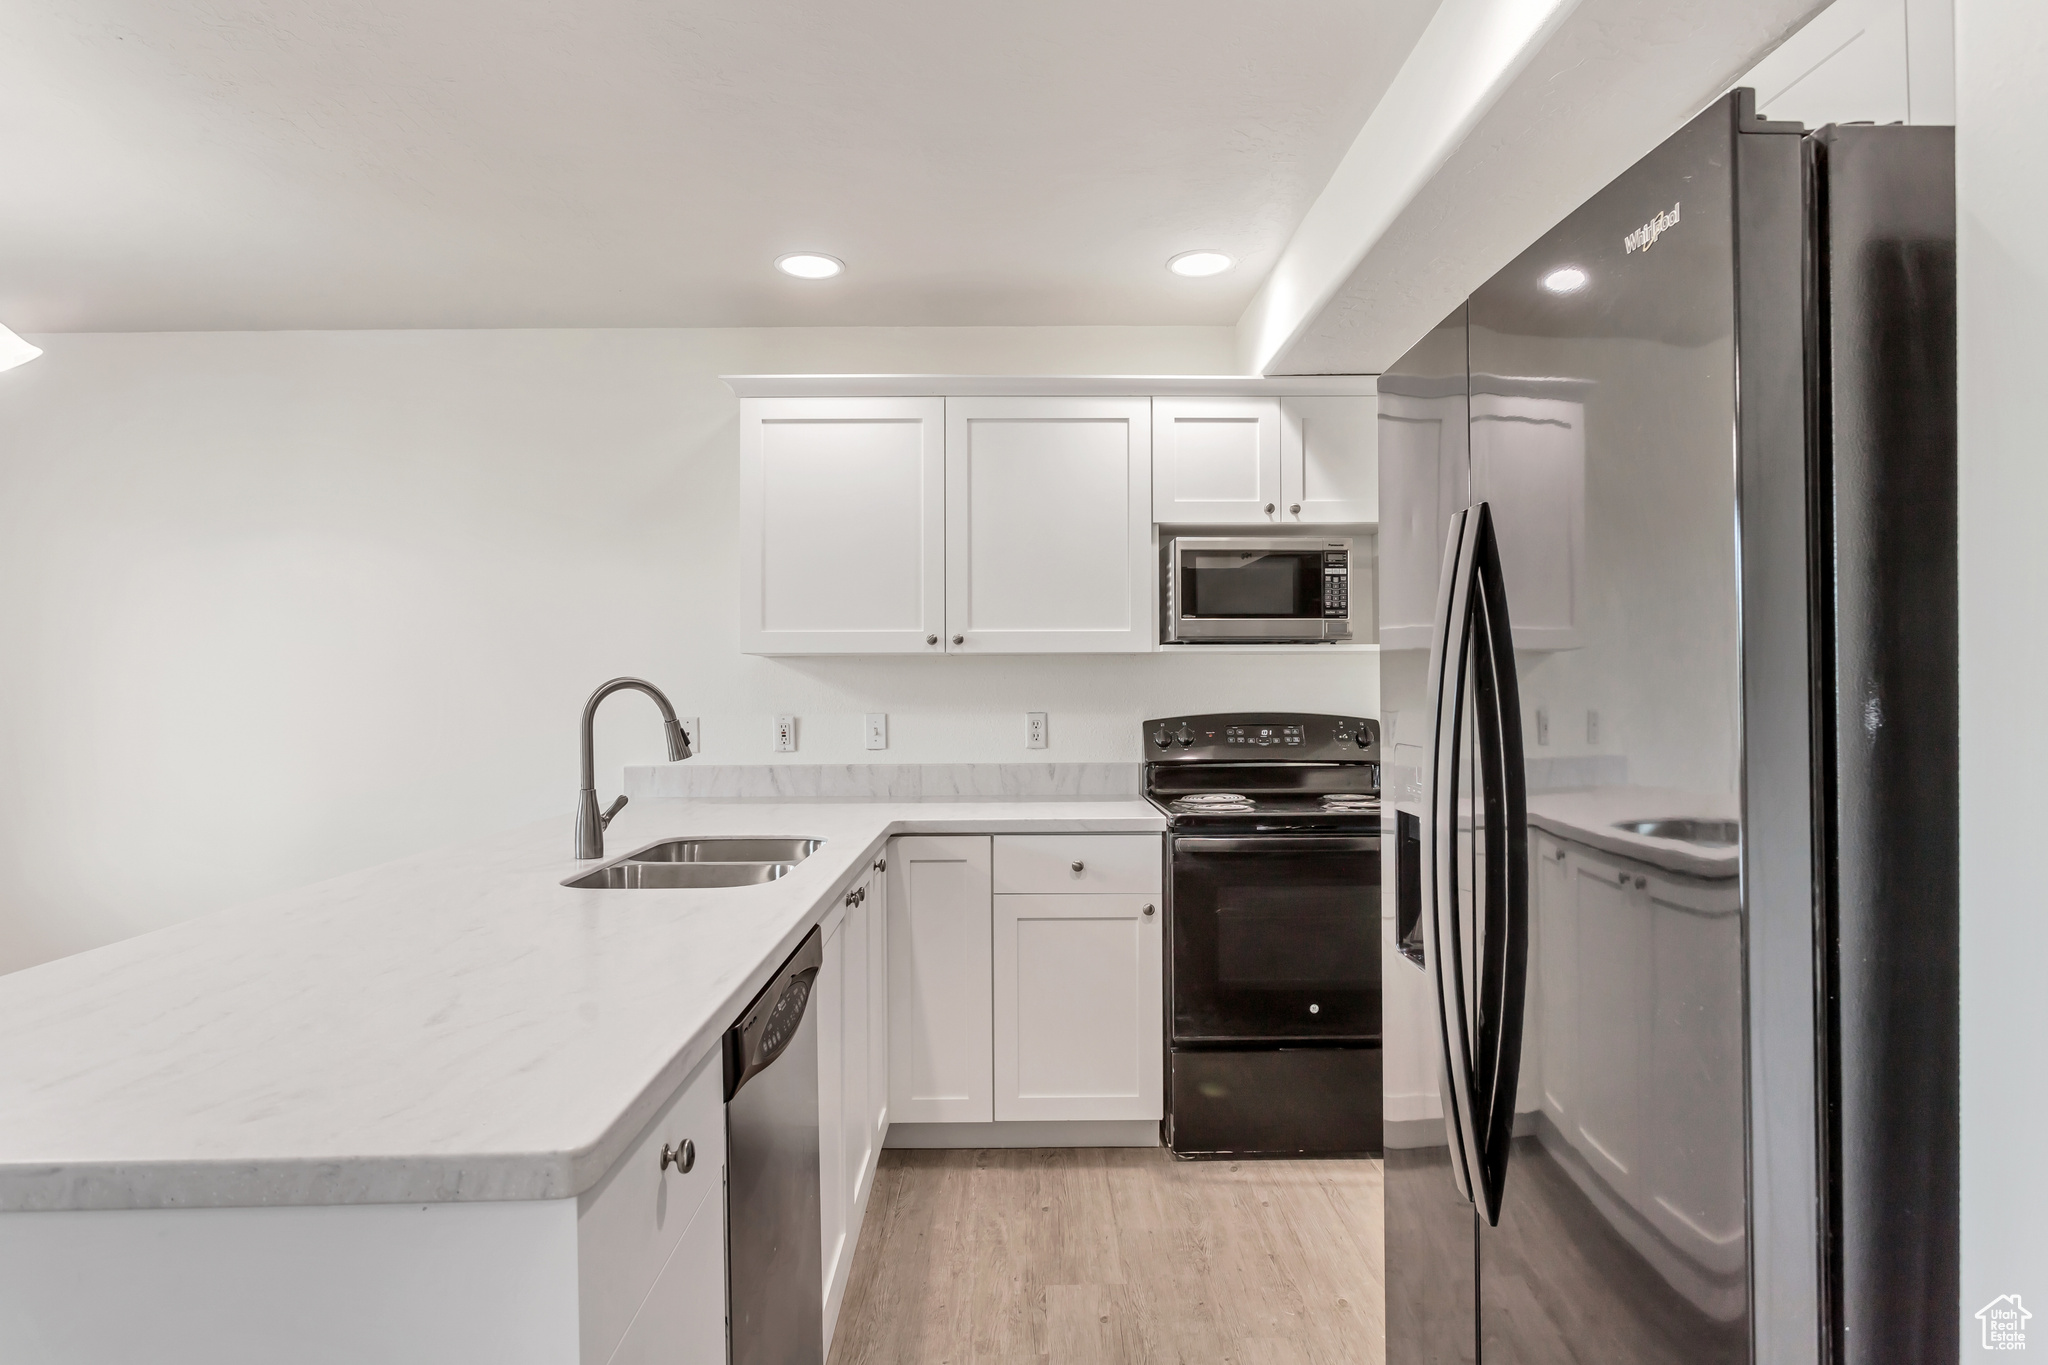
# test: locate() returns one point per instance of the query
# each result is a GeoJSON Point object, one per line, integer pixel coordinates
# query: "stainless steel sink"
{"type": "Point", "coordinates": [629, 876]}
{"type": "Point", "coordinates": [1705, 833]}
{"type": "Point", "coordinates": [729, 851]}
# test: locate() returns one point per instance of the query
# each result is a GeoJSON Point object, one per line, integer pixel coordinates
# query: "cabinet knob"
{"type": "Point", "coordinates": [1295, 508]}
{"type": "Point", "coordinates": [881, 864]}
{"type": "Point", "coordinates": [1149, 909]}
{"type": "Point", "coordinates": [959, 639]}
{"type": "Point", "coordinates": [1078, 865]}
{"type": "Point", "coordinates": [682, 1157]}
{"type": "Point", "coordinates": [1642, 882]}
{"type": "Point", "coordinates": [931, 639]}
{"type": "Point", "coordinates": [1269, 509]}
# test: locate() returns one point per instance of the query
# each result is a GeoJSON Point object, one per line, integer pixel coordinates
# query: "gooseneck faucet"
{"type": "Point", "coordinates": [591, 822]}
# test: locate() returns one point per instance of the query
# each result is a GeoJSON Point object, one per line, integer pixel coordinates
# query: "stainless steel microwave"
{"type": "Point", "coordinates": [1269, 589]}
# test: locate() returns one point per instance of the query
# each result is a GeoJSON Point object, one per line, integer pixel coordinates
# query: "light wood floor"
{"type": "Point", "coordinates": [1083, 1255]}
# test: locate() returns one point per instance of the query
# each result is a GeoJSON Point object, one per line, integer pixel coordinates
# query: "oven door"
{"type": "Point", "coordinates": [1239, 588]}
{"type": "Point", "coordinates": [1276, 938]}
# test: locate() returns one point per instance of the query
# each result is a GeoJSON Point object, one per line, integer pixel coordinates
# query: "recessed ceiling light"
{"type": "Point", "coordinates": [1565, 280]}
{"type": "Point", "coordinates": [809, 265]}
{"type": "Point", "coordinates": [1199, 263]}
{"type": "Point", "coordinates": [14, 351]}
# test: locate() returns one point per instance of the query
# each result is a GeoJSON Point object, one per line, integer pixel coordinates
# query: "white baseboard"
{"type": "Point", "coordinates": [1073, 1133]}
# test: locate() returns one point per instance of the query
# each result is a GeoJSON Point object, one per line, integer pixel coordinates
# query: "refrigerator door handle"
{"type": "Point", "coordinates": [1503, 799]}
{"type": "Point", "coordinates": [1477, 925]}
{"type": "Point", "coordinates": [1443, 946]}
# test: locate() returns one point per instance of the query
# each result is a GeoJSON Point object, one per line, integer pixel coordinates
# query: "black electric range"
{"type": "Point", "coordinates": [1273, 929]}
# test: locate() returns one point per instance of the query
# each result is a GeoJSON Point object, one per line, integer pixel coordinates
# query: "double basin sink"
{"type": "Point", "coordinates": [700, 863]}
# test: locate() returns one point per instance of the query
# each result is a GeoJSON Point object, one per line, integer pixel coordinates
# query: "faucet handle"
{"type": "Point", "coordinates": [604, 821]}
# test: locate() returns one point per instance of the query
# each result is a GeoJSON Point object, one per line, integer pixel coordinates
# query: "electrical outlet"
{"type": "Point", "coordinates": [1543, 725]}
{"type": "Point", "coordinates": [692, 733]}
{"type": "Point", "coordinates": [785, 734]}
{"type": "Point", "coordinates": [877, 730]}
{"type": "Point", "coordinates": [1034, 729]}
{"type": "Point", "coordinates": [1592, 727]}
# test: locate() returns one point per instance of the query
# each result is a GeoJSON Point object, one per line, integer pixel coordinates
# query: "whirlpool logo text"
{"type": "Point", "coordinates": [1645, 237]}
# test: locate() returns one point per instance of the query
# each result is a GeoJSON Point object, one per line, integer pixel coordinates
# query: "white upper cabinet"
{"type": "Point", "coordinates": [1049, 532]}
{"type": "Point", "coordinates": [1217, 462]}
{"type": "Point", "coordinates": [1329, 461]}
{"type": "Point", "coordinates": [843, 530]}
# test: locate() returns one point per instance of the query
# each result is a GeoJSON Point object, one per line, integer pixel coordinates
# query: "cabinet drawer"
{"type": "Point", "coordinates": [1048, 864]}
{"type": "Point", "coordinates": [629, 1223]}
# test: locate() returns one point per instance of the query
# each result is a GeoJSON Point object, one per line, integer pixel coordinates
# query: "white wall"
{"type": "Point", "coordinates": [2002, 222]}
{"type": "Point", "coordinates": [278, 605]}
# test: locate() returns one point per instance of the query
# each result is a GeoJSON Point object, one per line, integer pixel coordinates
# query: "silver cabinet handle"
{"type": "Point", "coordinates": [1149, 909]}
{"type": "Point", "coordinates": [1295, 508]}
{"type": "Point", "coordinates": [1269, 509]}
{"type": "Point", "coordinates": [1078, 865]}
{"type": "Point", "coordinates": [682, 1157]}
{"type": "Point", "coordinates": [959, 639]}
{"type": "Point", "coordinates": [931, 639]}
{"type": "Point", "coordinates": [1642, 882]}
{"type": "Point", "coordinates": [881, 864]}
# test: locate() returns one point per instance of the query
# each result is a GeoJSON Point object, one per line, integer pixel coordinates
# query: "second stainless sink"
{"type": "Point", "coordinates": [1705, 833]}
{"type": "Point", "coordinates": [729, 851]}
{"type": "Point", "coordinates": [628, 876]}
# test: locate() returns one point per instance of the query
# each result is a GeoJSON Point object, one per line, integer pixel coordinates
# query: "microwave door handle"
{"type": "Point", "coordinates": [1443, 948]}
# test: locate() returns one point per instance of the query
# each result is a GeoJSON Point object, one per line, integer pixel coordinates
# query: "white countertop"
{"type": "Point", "coordinates": [454, 1026]}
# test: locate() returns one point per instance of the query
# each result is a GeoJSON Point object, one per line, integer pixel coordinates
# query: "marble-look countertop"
{"type": "Point", "coordinates": [454, 1026]}
{"type": "Point", "coordinates": [1589, 817]}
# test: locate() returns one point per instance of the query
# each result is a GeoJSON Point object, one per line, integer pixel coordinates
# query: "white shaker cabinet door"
{"type": "Point", "coordinates": [842, 525]}
{"type": "Point", "coordinates": [1077, 1007]}
{"type": "Point", "coordinates": [939, 1060]}
{"type": "Point", "coordinates": [1048, 531]}
{"type": "Point", "coordinates": [1329, 465]}
{"type": "Point", "coordinates": [878, 1003]}
{"type": "Point", "coordinates": [828, 1001]}
{"type": "Point", "coordinates": [1216, 461]}
{"type": "Point", "coordinates": [683, 1320]}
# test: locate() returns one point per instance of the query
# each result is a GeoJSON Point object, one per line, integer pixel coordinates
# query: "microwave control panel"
{"type": "Point", "coordinates": [1336, 583]}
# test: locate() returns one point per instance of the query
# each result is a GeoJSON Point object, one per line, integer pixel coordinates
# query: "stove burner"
{"type": "Point", "coordinates": [1213, 801]}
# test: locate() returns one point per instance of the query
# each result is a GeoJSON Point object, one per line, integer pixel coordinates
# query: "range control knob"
{"type": "Point", "coordinates": [1161, 738]}
{"type": "Point", "coordinates": [1185, 736]}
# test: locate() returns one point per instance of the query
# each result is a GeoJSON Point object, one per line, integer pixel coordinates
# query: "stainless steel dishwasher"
{"type": "Point", "coordinates": [776, 1287]}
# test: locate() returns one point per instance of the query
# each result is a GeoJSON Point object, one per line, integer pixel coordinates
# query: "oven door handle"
{"type": "Point", "coordinates": [1285, 843]}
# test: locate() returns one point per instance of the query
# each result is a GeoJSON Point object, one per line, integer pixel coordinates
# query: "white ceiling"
{"type": "Point", "coordinates": [203, 164]}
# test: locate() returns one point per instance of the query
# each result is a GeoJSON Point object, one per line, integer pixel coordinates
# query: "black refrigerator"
{"type": "Point", "coordinates": [1669, 709]}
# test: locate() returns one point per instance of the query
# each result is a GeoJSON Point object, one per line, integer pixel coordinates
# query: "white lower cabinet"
{"type": "Point", "coordinates": [939, 1011]}
{"type": "Point", "coordinates": [682, 1321]}
{"type": "Point", "coordinates": [1077, 1007]}
{"type": "Point", "coordinates": [631, 1225]}
{"type": "Point", "coordinates": [852, 1079]}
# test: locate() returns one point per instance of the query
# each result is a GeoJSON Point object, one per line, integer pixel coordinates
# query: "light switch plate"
{"type": "Point", "coordinates": [877, 726]}
{"type": "Point", "coordinates": [1034, 729]}
{"type": "Point", "coordinates": [785, 734]}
